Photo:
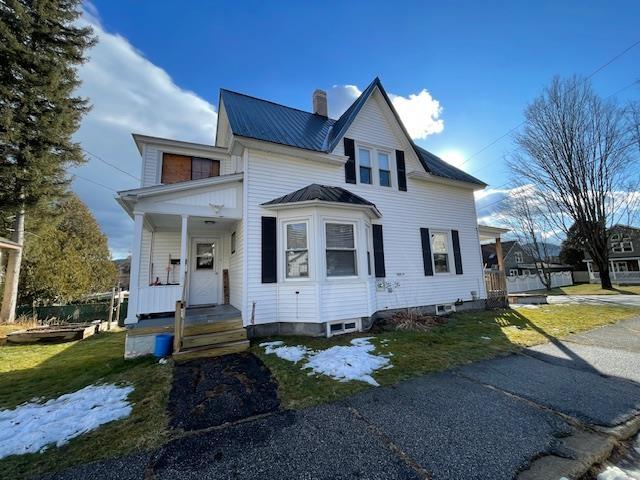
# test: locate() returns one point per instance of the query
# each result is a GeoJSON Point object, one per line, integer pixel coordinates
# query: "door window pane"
{"type": "Point", "coordinates": [204, 256]}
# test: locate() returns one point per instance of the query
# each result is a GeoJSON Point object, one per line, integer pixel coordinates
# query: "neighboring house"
{"type": "Point", "coordinates": [300, 223]}
{"type": "Point", "coordinates": [624, 256]}
{"type": "Point", "coordinates": [517, 261]}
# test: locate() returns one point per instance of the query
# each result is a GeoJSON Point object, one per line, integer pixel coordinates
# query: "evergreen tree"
{"type": "Point", "coordinates": [66, 257]}
{"type": "Point", "coordinates": [40, 48]}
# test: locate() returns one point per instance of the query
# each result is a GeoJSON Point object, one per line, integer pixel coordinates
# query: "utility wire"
{"type": "Point", "coordinates": [94, 182]}
{"type": "Point", "coordinates": [597, 70]}
{"type": "Point", "coordinates": [110, 164]}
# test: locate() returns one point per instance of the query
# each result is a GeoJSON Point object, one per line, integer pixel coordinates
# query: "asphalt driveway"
{"type": "Point", "coordinates": [487, 420]}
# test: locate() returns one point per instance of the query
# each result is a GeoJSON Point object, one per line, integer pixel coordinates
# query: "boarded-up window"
{"type": "Point", "coordinates": [175, 168]}
{"type": "Point", "coordinates": [180, 168]}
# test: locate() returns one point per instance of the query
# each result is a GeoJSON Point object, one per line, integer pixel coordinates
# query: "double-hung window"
{"type": "Point", "coordinates": [440, 249]}
{"type": "Point", "coordinates": [364, 160]}
{"type": "Point", "coordinates": [341, 250]}
{"type": "Point", "coordinates": [384, 169]}
{"type": "Point", "coordinates": [297, 251]}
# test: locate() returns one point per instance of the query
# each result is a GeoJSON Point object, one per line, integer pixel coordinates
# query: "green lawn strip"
{"type": "Point", "coordinates": [458, 342]}
{"type": "Point", "coordinates": [592, 289]}
{"type": "Point", "coordinates": [47, 371]}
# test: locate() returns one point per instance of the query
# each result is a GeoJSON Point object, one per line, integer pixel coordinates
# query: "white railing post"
{"type": "Point", "coordinates": [183, 249]}
{"type": "Point", "coordinates": [134, 276]}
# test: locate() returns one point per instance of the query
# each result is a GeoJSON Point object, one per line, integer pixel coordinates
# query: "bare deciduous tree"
{"type": "Point", "coordinates": [579, 153]}
{"type": "Point", "coordinates": [527, 219]}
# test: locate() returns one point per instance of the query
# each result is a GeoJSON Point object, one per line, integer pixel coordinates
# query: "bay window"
{"type": "Point", "coordinates": [340, 250]}
{"type": "Point", "coordinates": [297, 251]}
{"type": "Point", "coordinates": [440, 249]}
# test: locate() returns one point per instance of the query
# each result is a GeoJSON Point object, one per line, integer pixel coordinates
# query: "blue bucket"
{"type": "Point", "coordinates": [164, 345]}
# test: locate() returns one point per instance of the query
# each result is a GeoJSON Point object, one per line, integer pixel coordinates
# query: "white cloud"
{"type": "Point", "coordinates": [128, 94]}
{"type": "Point", "coordinates": [419, 112]}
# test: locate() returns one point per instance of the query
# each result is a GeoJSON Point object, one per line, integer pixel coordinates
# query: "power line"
{"type": "Point", "coordinates": [597, 70]}
{"type": "Point", "coordinates": [110, 164]}
{"type": "Point", "coordinates": [94, 182]}
{"type": "Point", "coordinates": [591, 161]}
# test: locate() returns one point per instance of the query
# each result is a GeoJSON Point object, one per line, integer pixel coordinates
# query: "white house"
{"type": "Point", "coordinates": [294, 222]}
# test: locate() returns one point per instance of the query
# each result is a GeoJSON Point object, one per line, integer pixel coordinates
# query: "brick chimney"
{"type": "Point", "coordinates": [320, 103]}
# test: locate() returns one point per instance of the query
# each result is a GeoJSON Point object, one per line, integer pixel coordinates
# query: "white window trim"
{"type": "Point", "coordinates": [450, 271]}
{"type": "Point", "coordinates": [336, 278]}
{"type": "Point", "coordinates": [368, 234]}
{"type": "Point", "coordinates": [357, 328]}
{"type": "Point", "coordinates": [511, 272]}
{"type": "Point", "coordinates": [375, 166]}
{"type": "Point", "coordinates": [291, 221]}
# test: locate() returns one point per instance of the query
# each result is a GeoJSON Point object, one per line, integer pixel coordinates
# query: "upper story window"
{"type": "Point", "coordinates": [180, 168]}
{"type": "Point", "coordinates": [518, 256]}
{"type": "Point", "coordinates": [297, 251]}
{"type": "Point", "coordinates": [440, 249]}
{"type": "Point", "coordinates": [623, 246]}
{"type": "Point", "coordinates": [384, 169]}
{"type": "Point", "coordinates": [374, 166]}
{"type": "Point", "coordinates": [364, 157]}
{"type": "Point", "coordinates": [341, 250]}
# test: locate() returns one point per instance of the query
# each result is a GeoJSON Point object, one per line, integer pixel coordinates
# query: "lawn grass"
{"type": "Point", "coordinates": [592, 289]}
{"type": "Point", "coordinates": [47, 371]}
{"type": "Point", "coordinates": [458, 342]}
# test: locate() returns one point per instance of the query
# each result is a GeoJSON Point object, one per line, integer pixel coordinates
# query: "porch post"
{"type": "Point", "coordinates": [134, 275]}
{"type": "Point", "coordinates": [183, 250]}
{"type": "Point", "coordinates": [499, 254]}
{"type": "Point", "coordinates": [612, 269]}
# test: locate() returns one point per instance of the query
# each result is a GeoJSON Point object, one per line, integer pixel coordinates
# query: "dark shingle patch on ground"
{"type": "Point", "coordinates": [210, 392]}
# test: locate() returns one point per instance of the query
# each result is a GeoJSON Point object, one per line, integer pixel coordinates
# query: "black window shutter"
{"type": "Point", "coordinates": [457, 258]}
{"type": "Point", "coordinates": [378, 252]}
{"type": "Point", "coordinates": [269, 251]}
{"type": "Point", "coordinates": [350, 166]}
{"type": "Point", "coordinates": [402, 170]}
{"type": "Point", "coordinates": [426, 251]}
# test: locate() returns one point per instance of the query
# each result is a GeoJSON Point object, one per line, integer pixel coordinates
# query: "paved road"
{"type": "Point", "coordinates": [483, 421]}
{"type": "Point", "coordinates": [626, 300]}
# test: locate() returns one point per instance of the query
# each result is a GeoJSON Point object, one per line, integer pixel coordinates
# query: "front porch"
{"type": "Point", "coordinates": [621, 270]}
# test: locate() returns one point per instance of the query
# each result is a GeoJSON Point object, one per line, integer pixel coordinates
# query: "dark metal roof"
{"type": "Point", "coordinates": [489, 257]}
{"type": "Point", "coordinates": [440, 168]}
{"type": "Point", "coordinates": [323, 193]}
{"type": "Point", "coordinates": [271, 122]}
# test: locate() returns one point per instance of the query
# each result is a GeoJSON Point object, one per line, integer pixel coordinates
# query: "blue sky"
{"type": "Point", "coordinates": [160, 67]}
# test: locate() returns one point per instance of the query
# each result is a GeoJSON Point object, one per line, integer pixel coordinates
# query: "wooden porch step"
{"type": "Point", "coordinates": [212, 327]}
{"type": "Point", "coordinates": [213, 339]}
{"type": "Point", "coordinates": [211, 351]}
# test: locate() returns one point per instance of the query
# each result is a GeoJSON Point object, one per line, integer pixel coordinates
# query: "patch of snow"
{"type": "Point", "coordinates": [485, 338]}
{"type": "Point", "coordinates": [342, 362]}
{"type": "Point", "coordinates": [293, 354]}
{"type": "Point", "coordinates": [162, 361]}
{"type": "Point", "coordinates": [615, 473]}
{"type": "Point", "coordinates": [31, 427]}
{"type": "Point", "coordinates": [346, 363]}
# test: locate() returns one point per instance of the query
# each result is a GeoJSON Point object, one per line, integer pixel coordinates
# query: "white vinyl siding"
{"type": "Point", "coordinates": [235, 268]}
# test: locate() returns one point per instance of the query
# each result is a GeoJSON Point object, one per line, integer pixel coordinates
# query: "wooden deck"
{"type": "Point", "coordinates": [201, 331]}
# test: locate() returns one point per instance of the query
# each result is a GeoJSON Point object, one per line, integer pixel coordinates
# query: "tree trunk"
{"type": "Point", "coordinates": [12, 278]}
{"type": "Point", "coordinates": [605, 279]}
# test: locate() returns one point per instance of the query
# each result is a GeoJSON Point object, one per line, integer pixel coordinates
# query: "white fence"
{"type": "Point", "coordinates": [525, 283]}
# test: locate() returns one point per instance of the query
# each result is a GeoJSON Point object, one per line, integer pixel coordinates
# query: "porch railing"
{"type": "Point", "coordinates": [158, 298]}
{"type": "Point", "coordinates": [618, 277]}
